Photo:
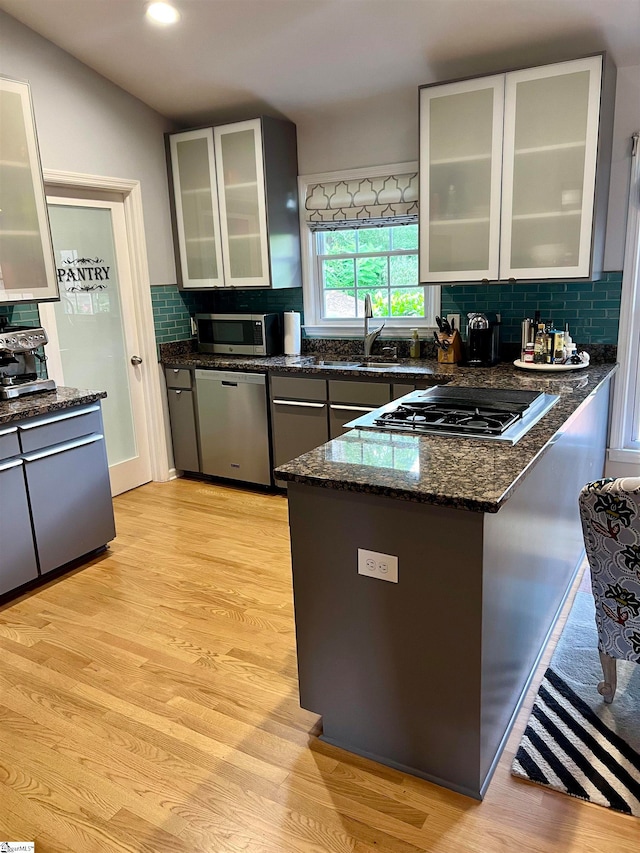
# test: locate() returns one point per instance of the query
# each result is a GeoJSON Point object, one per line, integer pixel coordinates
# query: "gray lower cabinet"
{"type": "Point", "coordinates": [17, 552]}
{"type": "Point", "coordinates": [69, 522]}
{"type": "Point", "coordinates": [299, 423]}
{"type": "Point", "coordinates": [182, 415]}
{"type": "Point", "coordinates": [306, 412]}
{"type": "Point", "coordinates": [349, 400]}
{"type": "Point", "coordinates": [55, 495]}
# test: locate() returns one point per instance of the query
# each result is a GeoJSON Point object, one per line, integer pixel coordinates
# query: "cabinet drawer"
{"type": "Point", "coordinates": [359, 393]}
{"type": "Point", "coordinates": [295, 388]}
{"type": "Point", "coordinates": [178, 377]}
{"type": "Point", "coordinates": [399, 389]}
{"type": "Point", "coordinates": [59, 426]}
{"type": "Point", "coordinates": [9, 444]}
{"type": "Point", "coordinates": [341, 413]}
{"type": "Point", "coordinates": [297, 428]}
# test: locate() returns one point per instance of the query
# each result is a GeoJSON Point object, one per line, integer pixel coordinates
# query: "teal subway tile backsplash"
{"type": "Point", "coordinates": [173, 308]}
{"type": "Point", "coordinates": [25, 314]}
{"type": "Point", "coordinates": [592, 309]}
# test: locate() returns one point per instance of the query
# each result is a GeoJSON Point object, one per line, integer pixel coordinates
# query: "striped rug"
{"type": "Point", "coordinates": [573, 742]}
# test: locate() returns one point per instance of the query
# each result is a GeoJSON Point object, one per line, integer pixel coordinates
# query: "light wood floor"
{"type": "Point", "coordinates": [148, 702]}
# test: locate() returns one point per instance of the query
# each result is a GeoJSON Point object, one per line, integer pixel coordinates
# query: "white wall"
{"type": "Point", "coordinates": [87, 124]}
{"type": "Point", "coordinates": [385, 130]}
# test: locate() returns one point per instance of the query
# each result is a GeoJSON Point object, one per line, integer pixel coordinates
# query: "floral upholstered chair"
{"type": "Point", "coordinates": [610, 513]}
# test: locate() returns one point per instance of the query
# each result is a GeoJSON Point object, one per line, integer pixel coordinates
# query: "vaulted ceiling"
{"type": "Point", "coordinates": [289, 56]}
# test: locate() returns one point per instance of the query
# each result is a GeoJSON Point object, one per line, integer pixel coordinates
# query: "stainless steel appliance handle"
{"type": "Point", "coordinates": [299, 403]}
{"type": "Point", "coordinates": [61, 448]}
{"type": "Point", "coordinates": [63, 417]}
{"type": "Point", "coordinates": [353, 408]}
{"type": "Point", "coordinates": [135, 360]}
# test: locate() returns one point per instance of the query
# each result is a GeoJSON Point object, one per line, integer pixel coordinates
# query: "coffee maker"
{"type": "Point", "coordinates": [18, 361]}
{"type": "Point", "coordinates": [484, 339]}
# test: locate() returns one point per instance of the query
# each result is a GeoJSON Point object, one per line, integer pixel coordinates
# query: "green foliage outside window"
{"type": "Point", "coordinates": [390, 279]}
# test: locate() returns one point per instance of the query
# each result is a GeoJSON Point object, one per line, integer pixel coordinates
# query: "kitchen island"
{"type": "Point", "coordinates": [427, 674]}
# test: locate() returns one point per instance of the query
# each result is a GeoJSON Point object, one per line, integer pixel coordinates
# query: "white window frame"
{"type": "Point", "coordinates": [315, 325]}
{"type": "Point", "coordinates": [623, 458]}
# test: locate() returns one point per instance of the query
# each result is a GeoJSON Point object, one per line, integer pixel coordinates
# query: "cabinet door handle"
{"type": "Point", "coordinates": [177, 393]}
{"type": "Point", "coordinates": [55, 418]}
{"type": "Point", "coordinates": [61, 448]}
{"type": "Point", "coordinates": [299, 403]}
{"type": "Point", "coordinates": [229, 384]}
{"type": "Point", "coordinates": [353, 408]}
{"type": "Point", "coordinates": [12, 463]}
{"type": "Point", "coordinates": [136, 360]}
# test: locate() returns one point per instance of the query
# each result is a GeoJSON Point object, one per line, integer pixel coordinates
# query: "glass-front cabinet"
{"type": "Point", "coordinates": [236, 205]}
{"type": "Point", "coordinates": [460, 179]}
{"type": "Point", "coordinates": [515, 169]}
{"type": "Point", "coordinates": [27, 267]}
{"type": "Point", "coordinates": [198, 219]}
{"type": "Point", "coordinates": [242, 204]}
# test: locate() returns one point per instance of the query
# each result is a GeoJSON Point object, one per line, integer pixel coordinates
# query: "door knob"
{"type": "Point", "coordinates": [135, 359]}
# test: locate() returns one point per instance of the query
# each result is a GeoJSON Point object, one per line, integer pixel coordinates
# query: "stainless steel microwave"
{"type": "Point", "coordinates": [239, 334]}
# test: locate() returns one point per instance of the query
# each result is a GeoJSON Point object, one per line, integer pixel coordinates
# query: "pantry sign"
{"type": "Point", "coordinates": [77, 274]}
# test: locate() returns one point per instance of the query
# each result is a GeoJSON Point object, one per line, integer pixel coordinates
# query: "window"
{"type": "Point", "coordinates": [360, 237]}
{"type": "Point", "coordinates": [381, 262]}
{"type": "Point", "coordinates": [624, 438]}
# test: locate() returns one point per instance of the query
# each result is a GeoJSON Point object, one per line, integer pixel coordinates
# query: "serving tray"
{"type": "Point", "coordinates": [553, 368]}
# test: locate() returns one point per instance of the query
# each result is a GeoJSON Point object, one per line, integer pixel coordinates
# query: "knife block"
{"type": "Point", "coordinates": [453, 354]}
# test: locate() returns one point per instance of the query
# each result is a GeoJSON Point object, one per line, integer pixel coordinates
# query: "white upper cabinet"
{"type": "Point", "coordinates": [27, 267]}
{"type": "Point", "coordinates": [537, 207]}
{"type": "Point", "coordinates": [460, 179]}
{"type": "Point", "coordinates": [236, 205]}
{"type": "Point", "coordinates": [195, 193]}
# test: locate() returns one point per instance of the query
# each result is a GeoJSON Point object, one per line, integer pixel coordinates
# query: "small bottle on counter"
{"type": "Point", "coordinates": [414, 346]}
{"type": "Point", "coordinates": [540, 346]}
{"type": "Point", "coordinates": [527, 353]}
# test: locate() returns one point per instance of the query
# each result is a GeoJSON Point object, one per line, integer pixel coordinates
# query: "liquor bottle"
{"type": "Point", "coordinates": [540, 346]}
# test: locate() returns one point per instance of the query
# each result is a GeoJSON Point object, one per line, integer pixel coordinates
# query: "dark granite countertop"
{"type": "Point", "coordinates": [472, 474]}
{"type": "Point", "coordinates": [32, 405]}
{"type": "Point", "coordinates": [464, 473]}
{"type": "Point", "coordinates": [404, 368]}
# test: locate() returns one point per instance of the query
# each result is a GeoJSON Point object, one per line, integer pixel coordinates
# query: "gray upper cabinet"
{"type": "Point", "coordinates": [235, 205]}
{"type": "Point", "coordinates": [27, 267]}
{"type": "Point", "coordinates": [514, 173]}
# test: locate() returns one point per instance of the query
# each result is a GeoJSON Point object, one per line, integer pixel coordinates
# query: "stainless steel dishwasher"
{"type": "Point", "coordinates": [233, 425]}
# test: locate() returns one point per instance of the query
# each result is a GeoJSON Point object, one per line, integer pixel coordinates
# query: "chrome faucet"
{"type": "Point", "coordinates": [369, 337]}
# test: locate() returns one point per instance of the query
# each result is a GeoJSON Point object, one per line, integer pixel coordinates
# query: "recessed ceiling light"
{"type": "Point", "coordinates": [163, 13]}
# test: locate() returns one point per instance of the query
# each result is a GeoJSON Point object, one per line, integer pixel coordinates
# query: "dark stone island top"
{"type": "Point", "coordinates": [464, 473]}
{"type": "Point", "coordinates": [32, 405]}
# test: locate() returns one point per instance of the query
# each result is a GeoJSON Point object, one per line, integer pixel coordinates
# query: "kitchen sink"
{"type": "Point", "coordinates": [337, 363]}
{"type": "Point", "coordinates": [379, 365]}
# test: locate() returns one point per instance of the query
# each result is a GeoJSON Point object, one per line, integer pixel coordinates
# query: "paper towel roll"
{"type": "Point", "coordinates": [291, 333]}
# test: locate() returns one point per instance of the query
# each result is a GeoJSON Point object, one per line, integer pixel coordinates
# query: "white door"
{"type": "Point", "coordinates": [92, 330]}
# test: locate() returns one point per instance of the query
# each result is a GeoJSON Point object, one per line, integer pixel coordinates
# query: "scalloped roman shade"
{"type": "Point", "coordinates": [362, 203]}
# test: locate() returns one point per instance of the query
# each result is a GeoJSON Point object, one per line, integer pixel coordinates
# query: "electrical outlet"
{"type": "Point", "coordinates": [454, 321]}
{"type": "Point", "coordinates": [377, 565]}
